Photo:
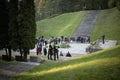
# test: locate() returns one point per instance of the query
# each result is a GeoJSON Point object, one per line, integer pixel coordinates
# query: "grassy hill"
{"type": "Point", "coordinates": [108, 23]}
{"type": "Point", "coordinates": [64, 24]}
{"type": "Point", "coordinates": [102, 65]}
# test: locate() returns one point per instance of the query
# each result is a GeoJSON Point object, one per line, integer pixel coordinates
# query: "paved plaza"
{"type": "Point", "coordinates": [76, 49]}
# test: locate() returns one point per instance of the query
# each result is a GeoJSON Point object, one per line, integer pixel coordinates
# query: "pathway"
{"type": "Point", "coordinates": [87, 23]}
{"type": "Point", "coordinates": [7, 71]}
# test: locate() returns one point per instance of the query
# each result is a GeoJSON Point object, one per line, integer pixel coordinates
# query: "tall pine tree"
{"type": "Point", "coordinates": [13, 24]}
{"type": "Point", "coordinates": [27, 28]}
{"type": "Point", "coordinates": [13, 29]}
{"type": "Point", "coordinates": [4, 21]}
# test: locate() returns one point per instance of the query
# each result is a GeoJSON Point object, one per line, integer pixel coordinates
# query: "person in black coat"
{"type": "Point", "coordinates": [56, 46]}
{"type": "Point", "coordinates": [68, 54]}
{"type": "Point", "coordinates": [50, 51]}
{"type": "Point", "coordinates": [45, 51]}
{"type": "Point", "coordinates": [103, 39]}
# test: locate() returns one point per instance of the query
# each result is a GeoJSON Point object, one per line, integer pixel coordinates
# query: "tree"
{"type": "Point", "coordinates": [118, 4]}
{"type": "Point", "coordinates": [27, 28]}
{"type": "Point", "coordinates": [3, 23]}
{"type": "Point", "coordinates": [48, 8]}
{"type": "Point", "coordinates": [13, 24]}
{"type": "Point", "coordinates": [4, 20]}
{"type": "Point", "coordinates": [111, 3]}
{"type": "Point", "coordinates": [13, 29]}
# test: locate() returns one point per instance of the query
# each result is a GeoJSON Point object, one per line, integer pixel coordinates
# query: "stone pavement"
{"type": "Point", "coordinates": [108, 44]}
{"type": "Point", "coordinates": [77, 49]}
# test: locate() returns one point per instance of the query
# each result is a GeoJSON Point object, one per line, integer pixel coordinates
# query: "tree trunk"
{"type": "Point", "coordinates": [25, 54]}
{"type": "Point", "coordinates": [9, 52]}
{"type": "Point", "coordinates": [21, 52]}
{"type": "Point", "coordinates": [6, 51]}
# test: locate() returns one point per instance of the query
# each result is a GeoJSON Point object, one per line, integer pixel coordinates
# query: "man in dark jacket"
{"type": "Point", "coordinates": [50, 52]}
{"type": "Point", "coordinates": [56, 46]}
{"type": "Point", "coordinates": [103, 39]}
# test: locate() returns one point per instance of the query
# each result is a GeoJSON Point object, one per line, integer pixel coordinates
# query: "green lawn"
{"type": "Point", "coordinates": [64, 24]}
{"type": "Point", "coordinates": [108, 23]}
{"type": "Point", "coordinates": [101, 65]}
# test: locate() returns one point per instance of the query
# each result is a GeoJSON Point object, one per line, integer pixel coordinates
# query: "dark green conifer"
{"type": "Point", "coordinates": [4, 21]}
{"type": "Point", "coordinates": [27, 28]}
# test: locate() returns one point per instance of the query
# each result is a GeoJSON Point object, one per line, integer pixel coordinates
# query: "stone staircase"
{"type": "Point", "coordinates": [86, 24]}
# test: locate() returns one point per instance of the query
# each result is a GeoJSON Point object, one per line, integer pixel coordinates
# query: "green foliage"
{"type": "Point", "coordinates": [13, 24]}
{"type": "Point", "coordinates": [114, 3]}
{"type": "Point", "coordinates": [108, 23]}
{"type": "Point", "coordinates": [48, 8]}
{"type": "Point", "coordinates": [118, 4]}
{"type": "Point", "coordinates": [64, 24]}
{"type": "Point", "coordinates": [4, 19]}
{"type": "Point", "coordinates": [22, 25]}
{"type": "Point", "coordinates": [102, 65]}
{"type": "Point", "coordinates": [27, 27]}
{"type": "Point", "coordinates": [111, 3]}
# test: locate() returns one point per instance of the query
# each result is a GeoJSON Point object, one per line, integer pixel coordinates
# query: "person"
{"type": "Point", "coordinates": [103, 39]}
{"type": "Point", "coordinates": [50, 51]}
{"type": "Point", "coordinates": [62, 38]}
{"type": "Point", "coordinates": [45, 42]}
{"type": "Point", "coordinates": [88, 40]}
{"type": "Point", "coordinates": [37, 49]}
{"type": "Point", "coordinates": [56, 46]}
{"type": "Point", "coordinates": [40, 48]}
{"type": "Point", "coordinates": [45, 51]}
{"type": "Point", "coordinates": [61, 54]}
{"type": "Point", "coordinates": [68, 54]}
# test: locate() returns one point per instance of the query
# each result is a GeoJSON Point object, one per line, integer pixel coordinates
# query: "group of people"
{"type": "Point", "coordinates": [53, 51]}
{"type": "Point", "coordinates": [83, 39]}
{"type": "Point", "coordinates": [49, 48]}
